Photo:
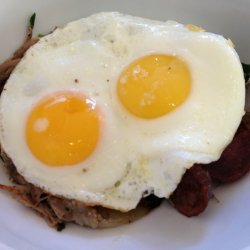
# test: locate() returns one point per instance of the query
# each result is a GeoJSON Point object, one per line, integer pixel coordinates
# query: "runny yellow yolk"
{"type": "Point", "coordinates": [63, 129]}
{"type": "Point", "coordinates": [154, 85]}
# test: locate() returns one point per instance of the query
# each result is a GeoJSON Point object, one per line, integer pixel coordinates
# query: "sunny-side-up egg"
{"type": "Point", "coordinates": [113, 107]}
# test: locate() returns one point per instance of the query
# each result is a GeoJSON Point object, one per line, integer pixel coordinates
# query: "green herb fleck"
{"type": "Point", "coordinates": [246, 69]}
{"type": "Point", "coordinates": [32, 20]}
{"type": "Point", "coordinates": [60, 227]}
{"type": "Point", "coordinates": [40, 35]}
{"type": "Point", "coordinates": [117, 184]}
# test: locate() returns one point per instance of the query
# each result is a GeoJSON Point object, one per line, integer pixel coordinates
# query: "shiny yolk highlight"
{"type": "Point", "coordinates": [154, 85]}
{"type": "Point", "coordinates": [63, 129]}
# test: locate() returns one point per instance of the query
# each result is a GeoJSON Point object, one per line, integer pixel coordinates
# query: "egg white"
{"type": "Point", "coordinates": [133, 155]}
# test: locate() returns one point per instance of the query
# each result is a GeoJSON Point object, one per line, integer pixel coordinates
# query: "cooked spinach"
{"type": "Point", "coordinates": [246, 69]}
{"type": "Point", "coordinates": [32, 20]}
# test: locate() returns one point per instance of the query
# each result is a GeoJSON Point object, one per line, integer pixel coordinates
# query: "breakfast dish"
{"type": "Point", "coordinates": [114, 112]}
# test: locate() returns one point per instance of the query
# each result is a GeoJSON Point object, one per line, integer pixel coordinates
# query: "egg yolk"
{"type": "Point", "coordinates": [154, 85]}
{"type": "Point", "coordinates": [63, 129]}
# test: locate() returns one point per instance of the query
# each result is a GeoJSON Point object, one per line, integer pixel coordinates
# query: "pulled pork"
{"type": "Point", "coordinates": [7, 67]}
{"type": "Point", "coordinates": [57, 210]}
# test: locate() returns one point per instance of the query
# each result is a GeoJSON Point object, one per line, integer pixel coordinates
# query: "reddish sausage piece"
{"type": "Point", "coordinates": [193, 193]}
{"type": "Point", "coordinates": [234, 162]}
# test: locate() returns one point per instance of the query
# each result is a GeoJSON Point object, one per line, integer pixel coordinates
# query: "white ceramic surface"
{"type": "Point", "coordinates": [224, 225]}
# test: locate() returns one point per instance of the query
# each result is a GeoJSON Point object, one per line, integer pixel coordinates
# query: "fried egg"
{"type": "Point", "coordinates": [111, 108]}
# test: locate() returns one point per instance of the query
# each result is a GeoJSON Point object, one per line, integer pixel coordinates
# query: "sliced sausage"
{"type": "Point", "coordinates": [234, 162]}
{"type": "Point", "coordinates": [192, 195]}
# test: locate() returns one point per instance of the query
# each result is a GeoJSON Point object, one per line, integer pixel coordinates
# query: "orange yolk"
{"type": "Point", "coordinates": [154, 85]}
{"type": "Point", "coordinates": [63, 129]}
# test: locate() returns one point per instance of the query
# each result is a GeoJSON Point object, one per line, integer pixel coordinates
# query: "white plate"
{"type": "Point", "coordinates": [224, 225]}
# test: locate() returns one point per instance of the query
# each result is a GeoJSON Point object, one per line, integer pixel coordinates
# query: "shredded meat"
{"type": "Point", "coordinates": [7, 67]}
{"type": "Point", "coordinates": [57, 210]}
